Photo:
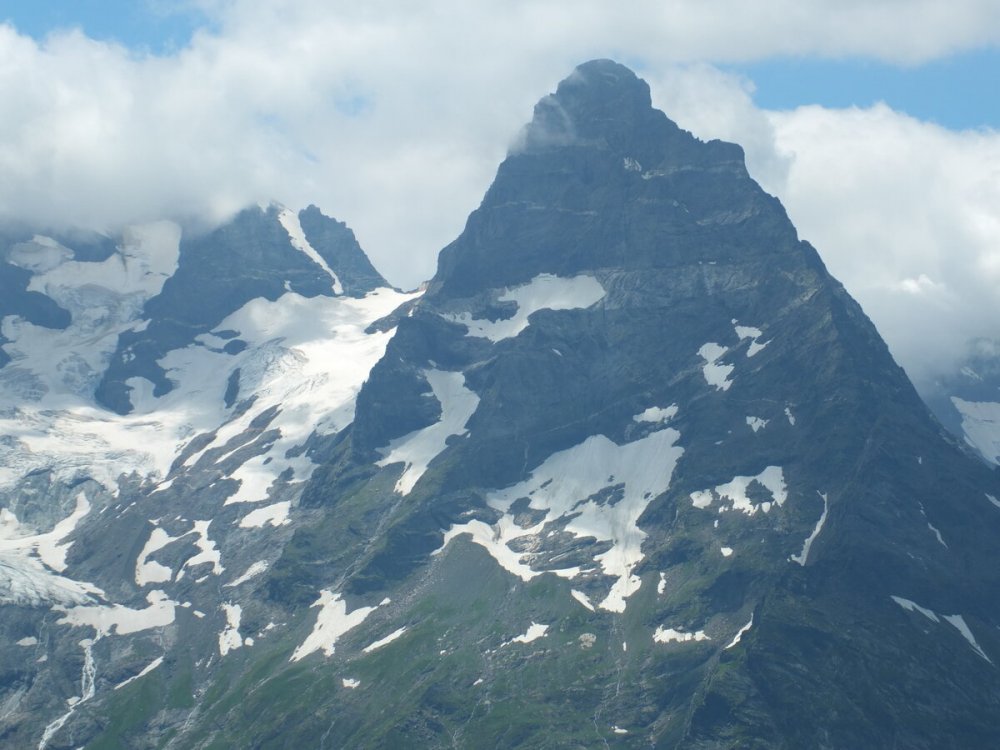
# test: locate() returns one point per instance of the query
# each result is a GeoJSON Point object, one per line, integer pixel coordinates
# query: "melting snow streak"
{"type": "Point", "coordinates": [803, 557]}
{"type": "Point", "coordinates": [419, 448]}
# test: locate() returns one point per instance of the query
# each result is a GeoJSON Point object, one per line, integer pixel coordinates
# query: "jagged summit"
{"type": "Point", "coordinates": [605, 180]}
{"type": "Point", "coordinates": [600, 100]}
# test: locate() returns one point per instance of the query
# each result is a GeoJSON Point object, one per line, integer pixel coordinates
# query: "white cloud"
{"type": "Point", "coordinates": [393, 116]}
{"type": "Point", "coordinates": [907, 215]}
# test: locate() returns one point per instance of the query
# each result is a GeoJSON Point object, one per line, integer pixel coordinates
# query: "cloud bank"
{"type": "Point", "coordinates": [393, 118]}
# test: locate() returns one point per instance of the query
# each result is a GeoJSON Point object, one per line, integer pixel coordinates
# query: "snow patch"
{"type": "Point", "coordinates": [533, 633]}
{"type": "Point", "coordinates": [749, 332]}
{"type": "Point", "coordinates": [145, 671]}
{"type": "Point", "coordinates": [583, 599]}
{"type": "Point", "coordinates": [735, 492]}
{"type": "Point", "coordinates": [230, 638]}
{"type": "Point", "coordinates": [726, 551]}
{"type": "Point", "coordinates": [544, 292]}
{"type": "Point", "coordinates": [937, 534]}
{"type": "Point", "coordinates": [384, 641]}
{"type": "Point", "coordinates": [756, 423]}
{"type": "Point", "coordinates": [668, 635]}
{"type": "Point", "coordinates": [956, 621]}
{"type": "Point", "coordinates": [332, 621]}
{"type": "Point", "coordinates": [803, 557]}
{"type": "Point", "coordinates": [208, 553]}
{"type": "Point", "coordinates": [290, 221]}
{"type": "Point", "coordinates": [350, 683]}
{"type": "Point", "coordinates": [740, 633]}
{"type": "Point", "coordinates": [656, 414]}
{"type": "Point", "coordinates": [252, 572]}
{"type": "Point", "coordinates": [981, 425]}
{"type": "Point", "coordinates": [122, 620]}
{"type": "Point", "coordinates": [959, 624]}
{"type": "Point", "coordinates": [790, 416]}
{"type": "Point", "coordinates": [715, 374]}
{"type": "Point", "coordinates": [417, 449]}
{"type": "Point", "coordinates": [147, 572]}
{"type": "Point", "coordinates": [276, 515]}
{"type": "Point", "coordinates": [911, 606]}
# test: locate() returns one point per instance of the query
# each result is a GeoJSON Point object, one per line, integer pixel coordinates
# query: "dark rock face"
{"type": "Point", "coordinates": [336, 244]}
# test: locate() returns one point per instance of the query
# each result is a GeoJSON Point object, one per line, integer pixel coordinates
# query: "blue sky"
{"type": "Point", "coordinates": [159, 26]}
{"type": "Point", "coordinates": [958, 92]}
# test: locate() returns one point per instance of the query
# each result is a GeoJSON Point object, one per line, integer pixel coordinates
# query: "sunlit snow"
{"type": "Point", "coordinates": [583, 599]}
{"type": "Point", "coordinates": [384, 641]}
{"type": "Point", "coordinates": [668, 635]}
{"type": "Point", "coordinates": [290, 221]}
{"type": "Point", "coordinates": [740, 633]}
{"type": "Point", "coordinates": [657, 414]}
{"type": "Point", "coordinates": [276, 515]}
{"type": "Point", "coordinates": [715, 374]}
{"type": "Point", "coordinates": [307, 357]}
{"type": "Point", "coordinates": [749, 332]}
{"type": "Point", "coordinates": [145, 671]}
{"type": "Point", "coordinates": [252, 572]}
{"type": "Point", "coordinates": [735, 492]}
{"type": "Point", "coordinates": [230, 637]}
{"type": "Point", "coordinates": [30, 563]}
{"type": "Point", "coordinates": [803, 557]}
{"type": "Point", "coordinates": [564, 487]}
{"type": "Point", "coordinates": [533, 633]}
{"type": "Point", "coordinates": [981, 425]}
{"type": "Point", "coordinates": [956, 621]}
{"type": "Point", "coordinates": [544, 292]}
{"type": "Point", "coordinates": [332, 621]}
{"type": "Point", "coordinates": [417, 449]}
{"type": "Point", "coordinates": [148, 571]}
{"type": "Point", "coordinates": [122, 620]}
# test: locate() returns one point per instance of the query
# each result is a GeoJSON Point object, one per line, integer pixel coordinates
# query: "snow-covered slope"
{"type": "Point", "coordinates": [252, 399]}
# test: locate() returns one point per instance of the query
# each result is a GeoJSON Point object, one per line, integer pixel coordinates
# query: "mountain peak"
{"type": "Point", "coordinates": [616, 176]}
{"type": "Point", "coordinates": [601, 101]}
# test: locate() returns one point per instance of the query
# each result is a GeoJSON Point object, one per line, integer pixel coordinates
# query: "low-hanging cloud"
{"type": "Point", "coordinates": [393, 118]}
